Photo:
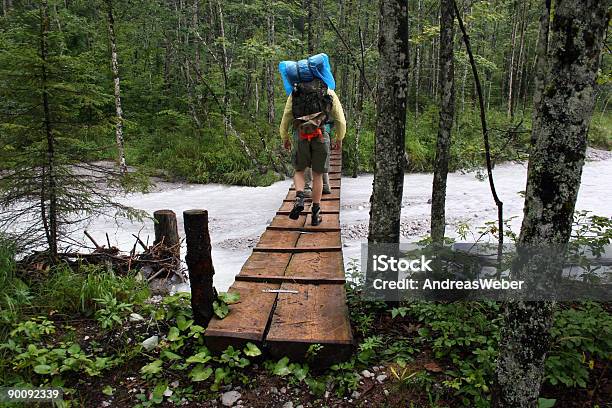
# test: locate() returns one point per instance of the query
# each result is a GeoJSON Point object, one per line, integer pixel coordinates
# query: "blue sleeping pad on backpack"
{"type": "Point", "coordinates": [316, 66]}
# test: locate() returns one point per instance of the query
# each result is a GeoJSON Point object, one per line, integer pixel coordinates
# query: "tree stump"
{"type": "Point", "coordinates": [199, 263]}
{"type": "Point", "coordinates": [166, 229]}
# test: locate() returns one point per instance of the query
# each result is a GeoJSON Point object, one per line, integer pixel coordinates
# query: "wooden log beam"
{"type": "Point", "coordinates": [200, 265]}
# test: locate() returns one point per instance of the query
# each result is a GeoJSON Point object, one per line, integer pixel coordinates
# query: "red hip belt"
{"type": "Point", "coordinates": [309, 136]}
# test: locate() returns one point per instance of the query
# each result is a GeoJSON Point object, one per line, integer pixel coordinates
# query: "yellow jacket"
{"type": "Point", "coordinates": [337, 115]}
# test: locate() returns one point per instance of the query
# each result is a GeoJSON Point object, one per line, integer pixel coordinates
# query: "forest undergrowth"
{"type": "Point", "coordinates": [103, 339]}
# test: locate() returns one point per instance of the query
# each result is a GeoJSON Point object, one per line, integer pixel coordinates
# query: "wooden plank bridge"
{"type": "Point", "coordinates": [292, 286]}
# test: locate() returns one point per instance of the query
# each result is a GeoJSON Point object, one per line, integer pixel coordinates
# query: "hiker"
{"type": "Point", "coordinates": [311, 104]}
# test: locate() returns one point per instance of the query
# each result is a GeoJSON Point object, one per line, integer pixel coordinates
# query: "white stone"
{"type": "Point", "coordinates": [229, 398]}
{"type": "Point", "coordinates": [135, 317]}
{"type": "Point", "coordinates": [274, 390]}
{"type": "Point", "coordinates": [386, 392]}
{"type": "Point", "coordinates": [288, 404]}
{"type": "Point", "coordinates": [168, 392]}
{"type": "Point", "coordinates": [367, 374]}
{"type": "Point", "coordinates": [283, 390]}
{"type": "Point", "coordinates": [381, 378]}
{"type": "Point", "coordinates": [355, 394]}
{"type": "Point", "coordinates": [150, 343]}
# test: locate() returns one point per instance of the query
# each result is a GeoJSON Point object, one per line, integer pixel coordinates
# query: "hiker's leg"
{"type": "Point", "coordinates": [298, 205]}
{"type": "Point", "coordinates": [308, 182]}
{"type": "Point", "coordinates": [299, 180]}
{"type": "Point", "coordinates": [326, 187]}
{"type": "Point", "coordinates": [301, 159]}
{"type": "Point", "coordinates": [317, 187]}
{"type": "Point", "coordinates": [307, 177]}
{"type": "Point", "coordinates": [320, 165]}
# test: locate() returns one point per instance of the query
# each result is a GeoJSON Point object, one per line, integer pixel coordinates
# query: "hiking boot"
{"type": "Point", "coordinates": [307, 192]}
{"type": "Point", "coordinates": [326, 189]}
{"type": "Point", "coordinates": [298, 206]}
{"type": "Point", "coordinates": [316, 217]}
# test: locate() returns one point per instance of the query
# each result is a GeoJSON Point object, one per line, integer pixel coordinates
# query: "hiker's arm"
{"type": "Point", "coordinates": [337, 114]}
{"type": "Point", "coordinates": [286, 121]}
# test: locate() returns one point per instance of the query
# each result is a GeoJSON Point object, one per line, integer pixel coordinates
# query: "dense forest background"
{"type": "Point", "coordinates": [97, 95]}
{"type": "Point", "coordinates": [200, 93]}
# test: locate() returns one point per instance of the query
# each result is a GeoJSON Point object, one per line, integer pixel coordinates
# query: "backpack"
{"type": "Point", "coordinates": [311, 105]}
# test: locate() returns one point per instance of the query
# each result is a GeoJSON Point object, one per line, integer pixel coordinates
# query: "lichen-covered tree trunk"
{"type": "Point", "coordinates": [553, 179]}
{"type": "Point", "coordinates": [446, 84]}
{"type": "Point", "coordinates": [116, 88]}
{"type": "Point", "coordinates": [386, 199]}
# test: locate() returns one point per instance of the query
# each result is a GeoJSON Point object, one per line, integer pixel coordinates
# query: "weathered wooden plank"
{"type": "Point", "coordinates": [276, 235]}
{"type": "Point", "coordinates": [327, 221]}
{"type": "Point", "coordinates": [247, 319]}
{"type": "Point", "coordinates": [293, 250]}
{"type": "Point", "coordinates": [291, 279]}
{"type": "Point", "coordinates": [332, 205]}
{"type": "Point", "coordinates": [324, 265]}
{"type": "Point", "coordinates": [306, 212]}
{"type": "Point", "coordinates": [261, 263]}
{"type": "Point", "coordinates": [335, 182]}
{"type": "Point", "coordinates": [333, 187]}
{"type": "Point", "coordinates": [303, 229]}
{"type": "Point", "coordinates": [335, 195]}
{"type": "Point", "coordinates": [285, 221]}
{"type": "Point", "coordinates": [317, 314]}
{"type": "Point", "coordinates": [320, 238]}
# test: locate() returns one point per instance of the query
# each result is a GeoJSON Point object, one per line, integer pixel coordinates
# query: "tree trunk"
{"type": "Point", "coordinates": [6, 6]}
{"type": "Point", "coordinates": [540, 69]}
{"type": "Point", "coordinates": [117, 89]}
{"type": "Point", "coordinates": [553, 179]}
{"type": "Point", "coordinates": [310, 46]}
{"type": "Point", "coordinates": [515, 23]}
{"type": "Point", "coordinates": [521, 58]}
{"type": "Point", "coordinates": [389, 146]}
{"type": "Point", "coordinates": [49, 187]}
{"type": "Point", "coordinates": [270, 67]}
{"type": "Point", "coordinates": [227, 119]}
{"type": "Point", "coordinates": [417, 67]}
{"type": "Point", "coordinates": [447, 111]}
{"type": "Point", "coordinates": [359, 106]}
